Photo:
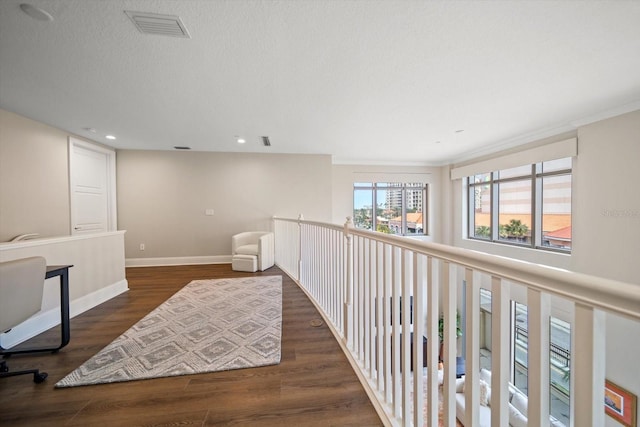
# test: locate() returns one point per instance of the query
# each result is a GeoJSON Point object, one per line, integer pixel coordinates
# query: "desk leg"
{"type": "Point", "coordinates": [65, 334]}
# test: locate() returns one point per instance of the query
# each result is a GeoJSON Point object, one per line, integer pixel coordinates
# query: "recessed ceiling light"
{"type": "Point", "coordinates": [241, 140]}
{"type": "Point", "coordinates": [460, 131]}
{"type": "Point", "coordinates": [36, 12]}
{"type": "Point", "coordinates": [92, 130]}
{"type": "Point", "coordinates": [110, 137]}
{"type": "Point", "coordinates": [182, 147]}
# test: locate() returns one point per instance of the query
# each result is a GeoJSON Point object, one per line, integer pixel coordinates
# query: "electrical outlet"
{"type": "Point", "coordinates": [142, 246]}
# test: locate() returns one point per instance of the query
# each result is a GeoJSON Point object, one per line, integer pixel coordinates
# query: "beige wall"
{"type": "Point", "coordinates": [34, 183]}
{"type": "Point", "coordinates": [344, 176]}
{"type": "Point", "coordinates": [607, 199]}
{"type": "Point", "coordinates": [605, 204]}
{"type": "Point", "coordinates": [163, 195]}
{"type": "Point", "coordinates": [605, 223]}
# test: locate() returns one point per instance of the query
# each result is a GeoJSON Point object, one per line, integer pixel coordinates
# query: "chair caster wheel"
{"type": "Point", "coordinates": [39, 377]}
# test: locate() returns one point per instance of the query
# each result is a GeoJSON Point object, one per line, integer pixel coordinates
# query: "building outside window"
{"type": "Point", "coordinates": [399, 207]}
{"type": "Point", "coordinates": [527, 205]}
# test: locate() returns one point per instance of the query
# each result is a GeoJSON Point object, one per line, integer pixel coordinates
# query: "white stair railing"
{"type": "Point", "coordinates": [357, 279]}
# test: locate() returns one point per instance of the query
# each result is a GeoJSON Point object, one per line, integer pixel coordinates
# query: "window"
{"type": "Point", "coordinates": [559, 354]}
{"type": "Point", "coordinates": [362, 206]}
{"type": "Point", "coordinates": [527, 205]}
{"type": "Point", "coordinates": [399, 207]}
{"type": "Point", "coordinates": [559, 361]}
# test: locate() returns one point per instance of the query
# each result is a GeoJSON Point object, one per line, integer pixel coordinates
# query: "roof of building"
{"type": "Point", "coordinates": [560, 234]}
{"type": "Point", "coordinates": [411, 217]}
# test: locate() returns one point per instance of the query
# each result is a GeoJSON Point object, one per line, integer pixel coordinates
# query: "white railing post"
{"type": "Point", "coordinates": [500, 349]}
{"type": "Point", "coordinates": [433, 342]}
{"type": "Point", "coordinates": [380, 328]}
{"type": "Point", "coordinates": [348, 298]}
{"type": "Point", "coordinates": [449, 342]}
{"type": "Point", "coordinates": [588, 370]}
{"type": "Point", "coordinates": [395, 331]}
{"type": "Point", "coordinates": [387, 258]}
{"type": "Point", "coordinates": [365, 316]}
{"type": "Point", "coordinates": [538, 316]}
{"type": "Point", "coordinates": [404, 305]}
{"type": "Point", "coordinates": [300, 219]}
{"type": "Point", "coordinates": [472, 358]}
{"type": "Point", "coordinates": [419, 282]}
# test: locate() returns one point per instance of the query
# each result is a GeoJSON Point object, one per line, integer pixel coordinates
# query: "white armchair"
{"type": "Point", "coordinates": [252, 251]}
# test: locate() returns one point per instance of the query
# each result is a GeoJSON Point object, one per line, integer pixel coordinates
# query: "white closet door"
{"type": "Point", "coordinates": [92, 189]}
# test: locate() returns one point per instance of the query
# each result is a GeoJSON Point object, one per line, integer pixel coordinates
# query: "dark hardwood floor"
{"type": "Point", "coordinates": [313, 385]}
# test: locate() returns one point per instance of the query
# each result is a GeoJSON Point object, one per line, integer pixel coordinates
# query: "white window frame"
{"type": "Point", "coordinates": [374, 187]}
{"type": "Point", "coordinates": [536, 177]}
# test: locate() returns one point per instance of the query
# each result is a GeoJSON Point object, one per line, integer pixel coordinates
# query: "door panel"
{"type": "Point", "coordinates": [90, 180]}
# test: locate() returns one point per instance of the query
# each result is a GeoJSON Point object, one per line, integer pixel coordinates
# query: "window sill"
{"type": "Point", "coordinates": [549, 258]}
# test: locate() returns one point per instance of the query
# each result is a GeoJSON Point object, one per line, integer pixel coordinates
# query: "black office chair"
{"type": "Point", "coordinates": [21, 289]}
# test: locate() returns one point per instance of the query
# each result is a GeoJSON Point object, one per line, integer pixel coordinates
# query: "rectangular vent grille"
{"type": "Point", "coordinates": [164, 25]}
{"type": "Point", "coordinates": [265, 141]}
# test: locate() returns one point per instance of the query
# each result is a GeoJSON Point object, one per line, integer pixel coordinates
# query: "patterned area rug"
{"type": "Point", "coordinates": [207, 326]}
{"type": "Point", "coordinates": [440, 398]}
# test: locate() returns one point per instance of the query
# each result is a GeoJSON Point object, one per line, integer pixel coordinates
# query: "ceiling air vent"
{"type": "Point", "coordinates": [265, 141]}
{"type": "Point", "coordinates": [163, 25]}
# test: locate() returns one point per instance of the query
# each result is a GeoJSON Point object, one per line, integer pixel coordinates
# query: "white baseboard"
{"type": "Point", "coordinates": [192, 260]}
{"type": "Point", "coordinates": [46, 320]}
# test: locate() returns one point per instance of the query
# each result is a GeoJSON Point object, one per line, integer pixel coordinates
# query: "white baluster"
{"type": "Point", "coordinates": [418, 282]}
{"type": "Point", "coordinates": [380, 301]}
{"type": "Point", "coordinates": [406, 279]}
{"type": "Point", "coordinates": [395, 346]}
{"type": "Point", "coordinates": [433, 343]}
{"type": "Point", "coordinates": [386, 309]}
{"type": "Point", "coordinates": [472, 358]}
{"type": "Point", "coordinates": [449, 286]}
{"type": "Point", "coordinates": [538, 315]}
{"type": "Point", "coordinates": [348, 317]}
{"type": "Point", "coordinates": [500, 346]}
{"type": "Point", "coordinates": [588, 366]}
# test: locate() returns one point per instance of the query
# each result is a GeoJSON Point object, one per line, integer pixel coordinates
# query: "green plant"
{"type": "Point", "coordinates": [383, 228]}
{"type": "Point", "coordinates": [515, 229]}
{"type": "Point", "coordinates": [441, 326]}
{"type": "Point", "coordinates": [483, 231]}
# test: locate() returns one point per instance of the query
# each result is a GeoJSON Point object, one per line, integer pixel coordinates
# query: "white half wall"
{"type": "Point", "coordinates": [97, 275]}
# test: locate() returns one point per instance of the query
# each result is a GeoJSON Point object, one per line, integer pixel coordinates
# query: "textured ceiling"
{"type": "Point", "coordinates": [367, 81]}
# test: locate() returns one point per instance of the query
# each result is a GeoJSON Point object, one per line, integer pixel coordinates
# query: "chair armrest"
{"type": "Point", "coordinates": [266, 251]}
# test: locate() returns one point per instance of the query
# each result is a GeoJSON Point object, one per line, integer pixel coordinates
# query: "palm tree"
{"type": "Point", "coordinates": [516, 229]}
{"type": "Point", "coordinates": [483, 231]}
{"type": "Point", "coordinates": [362, 217]}
{"type": "Point", "coordinates": [383, 228]}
